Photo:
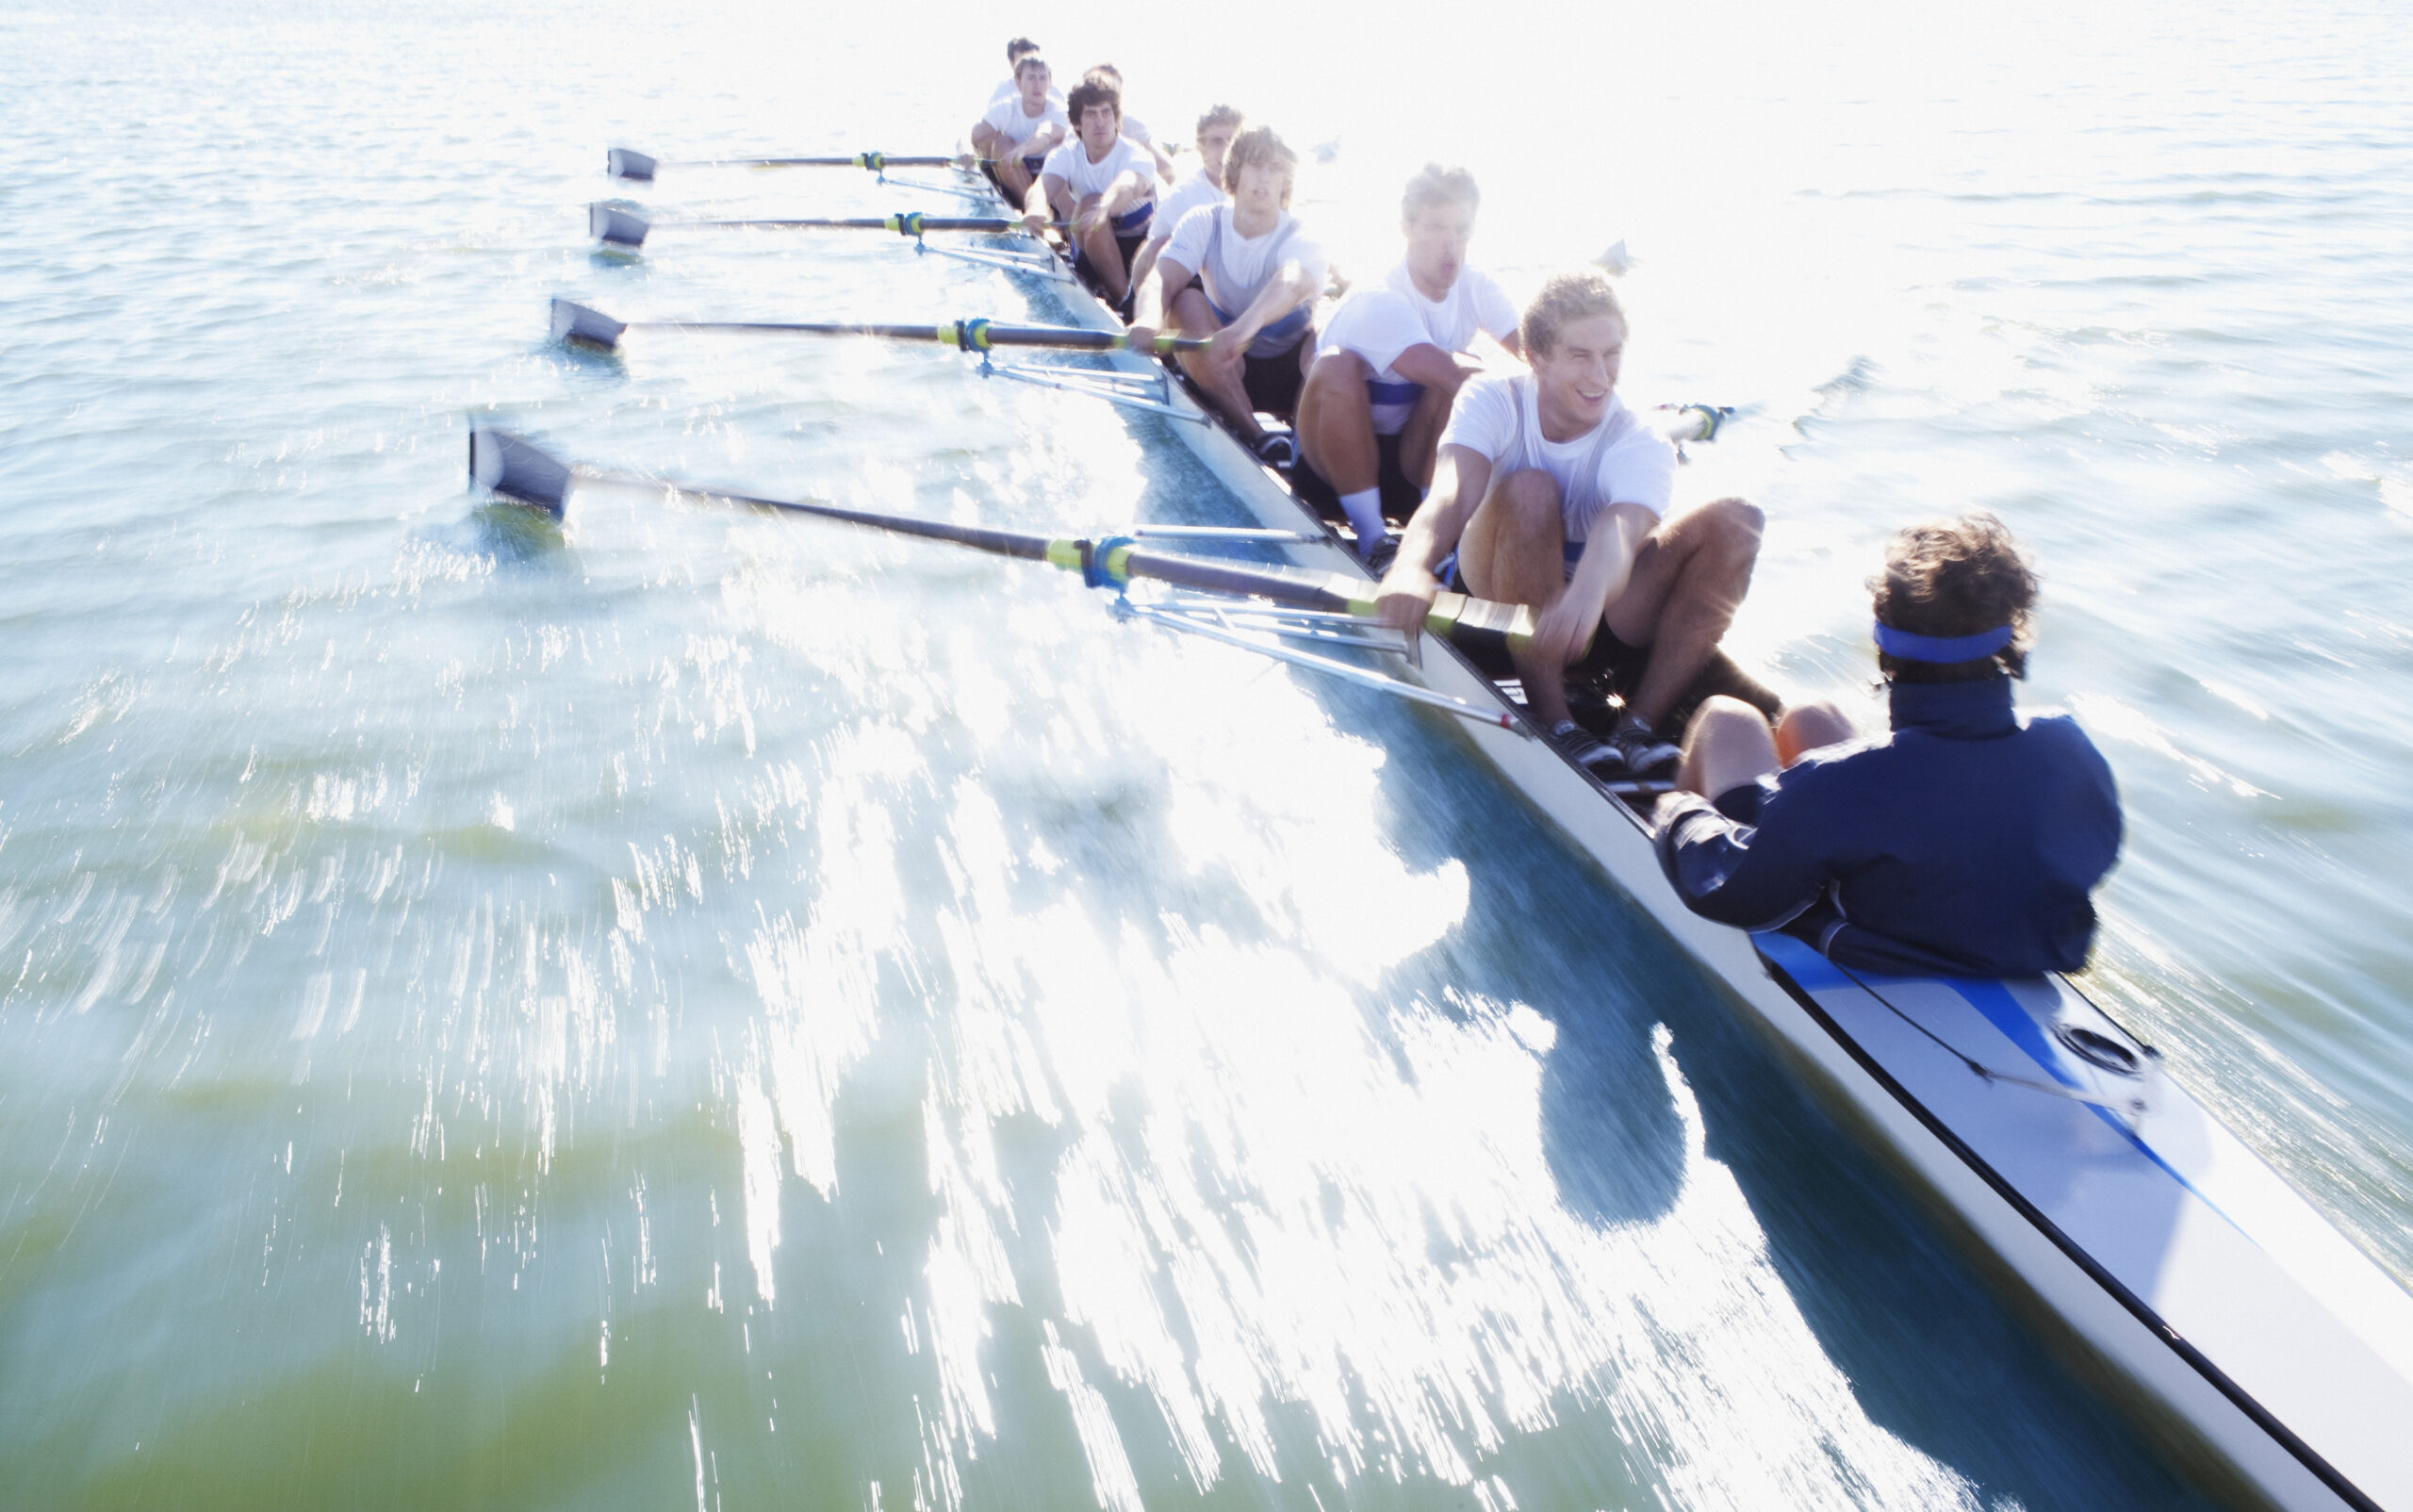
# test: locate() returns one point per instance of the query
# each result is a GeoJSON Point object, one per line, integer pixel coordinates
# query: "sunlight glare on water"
{"type": "Point", "coordinates": [695, 1007]}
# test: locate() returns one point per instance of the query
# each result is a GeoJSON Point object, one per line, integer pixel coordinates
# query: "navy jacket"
{"type": "Point", "coordinates": [1963, 844]}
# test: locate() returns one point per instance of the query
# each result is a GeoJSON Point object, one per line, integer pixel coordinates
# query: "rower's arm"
{"type": "Point", "coordinates": [1562, 628]}
{"type": "Point", "coordinates": [1751, 878]}
{"type": "Point", "coordinates": [1045, 192]}
{"type": "Point", "coordinates": [1428, 366]}
{"type": "Point", "coordinates": [1144, 263]}
{"type": "Point", "coordinates": [1284, 292]}
{"type": "Point", "coordinates": [984, 138]}
{"type": "Point", "coordinates": [1607, 563]}
{"type": "Point", "coordinates": [1164, 162]}
{"type": "Point", "coordinates": [1125, 192]}
{"type": "Point", "coordinates": [1149, 306]}
{"type": "Point", "coordinates": [1461, 476]}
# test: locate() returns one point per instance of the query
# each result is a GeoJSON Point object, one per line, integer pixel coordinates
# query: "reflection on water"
{"type": "Point", "coordinates": [676, 1004]}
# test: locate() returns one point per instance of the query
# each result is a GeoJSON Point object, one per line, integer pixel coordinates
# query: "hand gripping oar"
{"type": "Point", "coordinates": [573, 321]}
{"type": "Point", "coordinates": [626, 229]}
{"type": "Point", "coordinates": [638, 168]}
{"type": "Point", "coordinates": [519, 472]}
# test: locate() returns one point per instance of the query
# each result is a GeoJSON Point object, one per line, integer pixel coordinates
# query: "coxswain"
{"type": "Point", "coordinates": [1102, 185]}
{"type": "Point", "coordinates": [1259, 274]}
{"type": "Point", "coordinates": [1965, 843]}
{"type": "Point", "coordinates": [1014, 139]}
{"type": "Point", "coordinates": [1549, 492]}
{"type": "Point", "coordinates": [1391, 359]}
{"type": "Point", "coordinates": [1205, 185]}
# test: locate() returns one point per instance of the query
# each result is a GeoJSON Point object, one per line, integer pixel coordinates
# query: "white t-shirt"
{"type": "Point", "coordinates": [1137, 130]}
{"type": "Point", "coordinates": [1380, 322]}
{"type": "Point", "coordinates": [1006, 119]}
{"type": "Point", "coordinates": [1071, 163]}
{"type": "Point", "coordinates": [1184, 197]}
{"type": "Point", "coordinates": [1620, 461]}
{"type": "Point", "coordinates": [1240, 266]}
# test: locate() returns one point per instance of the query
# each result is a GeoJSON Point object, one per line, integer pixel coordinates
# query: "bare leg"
{"type": "Point", "coordinates": [1810, 726]}
{"type": "Point", "coordinates": [1688, 579]}
{"type": "Point", "coordinates": [1514, 552]}
{"type": "Point", "coordinates": [1016, 177]}
{"type": "Point", "coordinates": [1420, 439]}
{"type": "Point", "coordinates": [1337, 423]}
{"type": "Point", "coordinates": [1105, 254]}
{"type": "Point", "coordinates": [1221, 381]}
{"type": "Point", "coordinates": [1729, 745]}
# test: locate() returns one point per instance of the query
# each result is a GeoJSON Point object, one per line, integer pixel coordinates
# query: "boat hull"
{"type": "Point", "coordinates": [2235, 1323]}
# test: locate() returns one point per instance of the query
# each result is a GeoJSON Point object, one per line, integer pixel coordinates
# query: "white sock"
{"type": "Point", "coordinates": [1364, 511]}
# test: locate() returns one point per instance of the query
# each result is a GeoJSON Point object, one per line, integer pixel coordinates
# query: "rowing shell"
{"type": "Point", "coordinates": [2242, 1325]}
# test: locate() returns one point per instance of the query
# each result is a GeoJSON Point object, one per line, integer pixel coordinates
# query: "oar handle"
{"type": "Point", "coordinates": [982, 335]}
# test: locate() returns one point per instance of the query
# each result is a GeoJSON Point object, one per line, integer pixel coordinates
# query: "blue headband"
{"type": "Point", "coordinates": [1909, 648]}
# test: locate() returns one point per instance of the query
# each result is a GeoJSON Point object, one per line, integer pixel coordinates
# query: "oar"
{"type": "Point", "coordinates": [573, 321]}
{"type": "Point", "coordinates": [626, 229]}
{"type": "Point", "coordinates": [520, 471]}
{"type": "Point", "coordinates": [639, 167]}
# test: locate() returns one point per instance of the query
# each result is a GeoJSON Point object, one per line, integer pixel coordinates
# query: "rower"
{"type": "Point", "coordinates": [1014, 139]}
{"type": "Point", "coordinates": [1016, 50]}
{"type": "Point", "coordinates": [1548, 492]}
{"type": "Point", "coordinates": [1393, 358]}
{"type": "Point", "coordinates": [1216, 129]}
{"type": "Point", "coordinates": [1259, 274]}
{"type": "Point", "coordinates": [1132, 126]}
{"type": "Point", "coordinates": [1101, 185]}
{"type": "Point", "coordinates": [1963, 843]}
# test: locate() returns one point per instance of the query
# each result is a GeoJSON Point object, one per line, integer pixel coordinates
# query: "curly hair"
{"type": "Point", "coordinates": [1577, 294]}
{"type": "Point", "coordinates": [1090, 92]}
{"type": "Point", "coordinates": [1258, 145]}
{"type": "Point", "coordinates": [1950, 578]}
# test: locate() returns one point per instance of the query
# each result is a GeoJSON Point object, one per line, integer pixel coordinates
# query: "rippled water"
{"type": "Point", "coordinates": [693, 1006]}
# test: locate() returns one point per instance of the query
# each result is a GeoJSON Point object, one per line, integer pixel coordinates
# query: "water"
{"type": "Point", "coordinates": [694, 1006]}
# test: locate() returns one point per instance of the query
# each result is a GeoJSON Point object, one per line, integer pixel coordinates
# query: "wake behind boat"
{"type": "Point", "coordinates": [2243, 1327]}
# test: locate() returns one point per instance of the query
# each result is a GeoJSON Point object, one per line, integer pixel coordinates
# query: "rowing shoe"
{"type": "Point", "coordinates": [524, 473]}
{"type": "Point", "coordinates": [589, 326]}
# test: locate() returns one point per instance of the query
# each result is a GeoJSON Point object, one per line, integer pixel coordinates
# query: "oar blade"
{"type": "Point", "coordinates": [635, 166]}
{"type": "Point", "coordinates": [585, 324]}
{"type": "Point", "coordinates": [518, 471]}
{"type": "Point", "coordinates": [621, 230]}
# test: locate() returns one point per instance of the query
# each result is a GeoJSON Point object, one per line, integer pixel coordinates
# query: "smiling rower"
{"type": "Point", "coordinates": [1549, 492]}
{"type": "Point", "coordinates": [1101, 185]}
{"type": "Point", "coordinates": [1259, 274]}
{"type": "Point", "coordinates": [1016, 134]}
{"type": "Point", "coordinates": [1393, 357]}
